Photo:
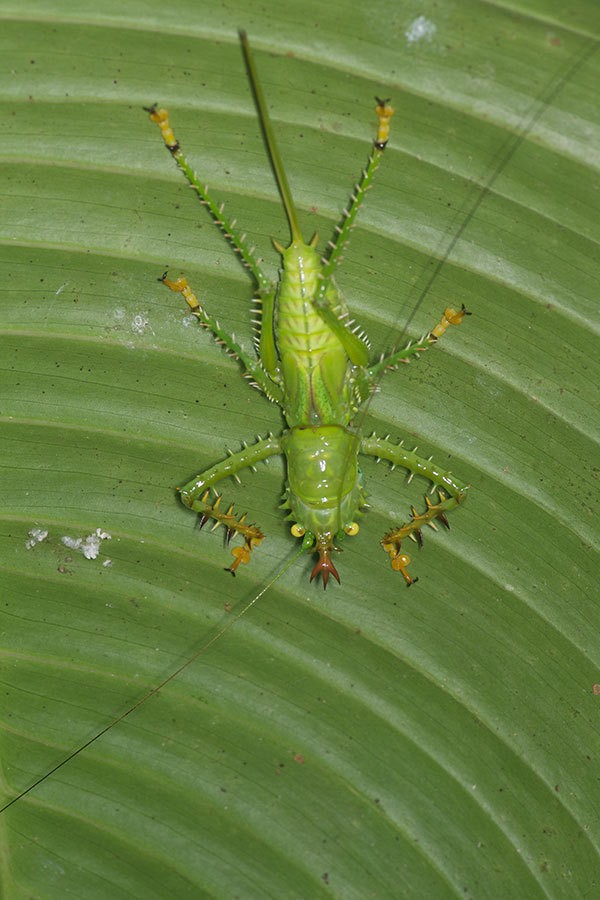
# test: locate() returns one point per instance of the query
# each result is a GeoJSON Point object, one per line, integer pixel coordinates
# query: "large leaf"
{"type": "Point", "coordinates": [370, 741]}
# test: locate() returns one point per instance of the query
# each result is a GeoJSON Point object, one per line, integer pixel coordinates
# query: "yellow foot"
{"type": "Point", "coordinates": [252, 534]}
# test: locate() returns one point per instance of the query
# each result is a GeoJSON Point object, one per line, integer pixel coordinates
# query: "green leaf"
{"type": "Point", "coordinates": [368, 741]}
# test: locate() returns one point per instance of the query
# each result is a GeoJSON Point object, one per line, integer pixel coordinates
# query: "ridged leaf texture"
{"type": "Point", "coordinates": [370, 741]}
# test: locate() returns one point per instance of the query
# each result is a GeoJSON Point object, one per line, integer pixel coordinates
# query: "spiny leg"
{"type": "Point", "coordinates": [238, 242]}
{"type": "Point", "coordinates": [336, 318]}
{"type": "Point", "coordinates": [386, 363]}
{"type": "Point", "coordinates": [196, 495]}
{"type": "Point", "coordinates": [253, 370]}
{"type": "Point", "coordinates": [236, 238]}
{"type": "Point", "coordinates": [450, 492]}
{"type": "Point", "coordinates": [336, 248]}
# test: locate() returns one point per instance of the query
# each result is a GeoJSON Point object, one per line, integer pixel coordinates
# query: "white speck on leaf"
{"type": "Point", "coordinates": [36, 536]}
{"type": "Point", "coordinates": [90, 545]}
{"type": "Point", "coordinates": [421, 29]}
{"type": "Point", "coordinates": [141, 323]}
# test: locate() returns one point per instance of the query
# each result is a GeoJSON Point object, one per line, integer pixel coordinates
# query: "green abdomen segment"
{"type": "Point", "coordinates": [313, 362]}
{"type": "Point", "coordinates": [324, 489]}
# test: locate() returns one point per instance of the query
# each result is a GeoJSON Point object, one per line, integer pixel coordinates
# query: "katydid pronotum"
{"type": "Point", "coordinates": [313, 361]}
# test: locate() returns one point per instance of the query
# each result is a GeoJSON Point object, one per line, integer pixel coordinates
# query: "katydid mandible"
{"type": "Point", "coordinates": [313, 361]}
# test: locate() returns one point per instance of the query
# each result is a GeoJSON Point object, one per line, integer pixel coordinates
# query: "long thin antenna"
{"type": "Point", "coordinates": [156, 688]}
{"type": "Point", "coordinates": [469, 207]}
{"type": "Point", "coordinates": [265, 121]}
{"type": "Point", "coordinates": [504, 155]}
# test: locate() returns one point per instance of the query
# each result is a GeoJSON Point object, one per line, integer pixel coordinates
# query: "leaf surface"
{"type": "Point", "coordinates": [369, 741]}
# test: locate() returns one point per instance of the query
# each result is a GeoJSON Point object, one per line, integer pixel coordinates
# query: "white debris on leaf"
{"type": "Point", "coordinates": [90, 545]}
{"type": "Point", "coordinates": [421, 29]}
{"type": "Point", "coordinates": [141, 323]}
{"type": "Point", "coordinates": [36, 536]}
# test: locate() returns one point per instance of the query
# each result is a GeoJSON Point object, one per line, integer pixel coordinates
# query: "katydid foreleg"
{"type": "Point", "coordinates": [228, 226]}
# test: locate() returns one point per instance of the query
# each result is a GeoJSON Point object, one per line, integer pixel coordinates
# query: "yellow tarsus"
{"type": "Point", "coordinates": [161, 117]}
{"type": "Point", "coordinates": [399, 560]}
{"type": "Point", "coordinates": [384, 113]}
{"type": "Point", "coordinates": [241, 555]}
{"type": "Point", "coordinates": [181, 286]}
{"type": "Point", "coordinates": [252, 534]}
{"type": "Point", "coordinates": [391, 542]}
{"type": "Point", "coordinates": [253, 537]}
{"type": "Point", "coordinates": [450, 317]}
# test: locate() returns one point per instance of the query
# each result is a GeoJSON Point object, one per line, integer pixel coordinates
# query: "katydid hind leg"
{"type": "Point", "coordinates": [197, 496]}
{"type": "Point", "coordinates": [450, 493]}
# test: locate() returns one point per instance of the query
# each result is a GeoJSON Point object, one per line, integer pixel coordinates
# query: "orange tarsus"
{"type": "Point", "coordinates": [181, 286]}
{"type": "Point", "coordinates": [399, 560]}
{"type": "Point", "coordinates": [161, 118]}
{"type": "Point", "coordinates": [241, 555]}
{"type": "Point", "coordinates": [384, 113]}
{"type": "Point", "coordinates": [450, 317]}
{"type": "Point", "coordinates": [325, 567]}
{"type": "Point", "coordinates": [399, 564]}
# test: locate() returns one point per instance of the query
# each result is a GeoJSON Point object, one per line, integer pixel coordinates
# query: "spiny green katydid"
{"type": "Point", "coordinates": [270, 366]}
{"type": "Point", "coordinates": [313, 361]}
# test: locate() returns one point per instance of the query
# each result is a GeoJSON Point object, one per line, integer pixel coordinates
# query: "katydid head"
{"type": "Point", "coordinates": [312, 244]}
